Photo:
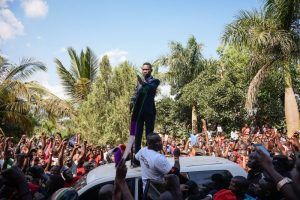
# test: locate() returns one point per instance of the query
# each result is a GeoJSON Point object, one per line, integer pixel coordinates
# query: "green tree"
{"type": "Point", "coordinates": [221, 100]}
{"type": "Point", "coordinates": [184, 64]}
{"type": "Point", "coordinates": [272, 38]}
{"type": "Point", "coordinates": [78, 80]}
{"type": "Point", "coordinates": [104, 117]}
{"type": "Point", "coordinates": [171, 118]}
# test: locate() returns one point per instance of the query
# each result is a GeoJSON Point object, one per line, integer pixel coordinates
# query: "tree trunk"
{"type": "Point", "coordinates": [204, 126]}
{"type": "Point", "coordinates": [194, 120]}
{"type": "Point", "coordinates": [290, 105]}
{"type": "Point", "coordinates": [204, 130]}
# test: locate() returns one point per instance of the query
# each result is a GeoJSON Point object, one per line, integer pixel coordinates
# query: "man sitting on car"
{"type": "Point", "coordinates": [154, 164]}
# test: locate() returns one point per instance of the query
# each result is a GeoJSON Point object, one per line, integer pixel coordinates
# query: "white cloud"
{"type": "Point", "coordinates": [35, 8]}
{"type": "Point", "coordinates": [28, 44]}
{"type": "Point", "coordinates": [10, 25]}
{"type": "Point", "coordinates": [4, 3]}
{"type": "Point", "coordinates": [116, 56]}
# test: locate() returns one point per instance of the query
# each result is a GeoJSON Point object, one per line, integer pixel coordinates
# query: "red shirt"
{"type": "Point", "coordinates": [98, 159]}
{"type": "Point", "coordinates": [80, 171]}
{"type": "Point", "coordinates": [73, 181]}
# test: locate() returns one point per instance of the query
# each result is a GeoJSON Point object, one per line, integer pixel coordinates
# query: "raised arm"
{"type": "Point", "coordinates": [266, 163]}
{"type": "Point", "coordinates": [152, 84]}
{"type": "Point", "coordinates": [83, 152]}
{"type": "Point", "coordinates": [176, 154]}
{"type": "Point", "coordinates": [48, 166]}
{"type": "Point", "coordinates": [120, 185]}
{"type": "Point", "coordinates": [61, 153]}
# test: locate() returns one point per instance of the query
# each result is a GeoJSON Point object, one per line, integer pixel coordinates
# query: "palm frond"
{"type": "Point", "coordinates": [21, 107]}
{"type": "Point", "coordinates": [15, 89]}
{"type": "Point", "coordinates": [4, 66]}
{"type": "Point", "coordinates": [53, 107]}
{"type": "Point", "coordinates": [75, 62]}
{"type": "Point", "coordinates": [82, 73]}
{"type": "Point", "coordinates": [254, 86]}
{"type": "Point", "coordinates": [88, 64]}
{"type": "Point", "coordinates": [239, 31]}
{"type": "Point", "coordinates": [22, 120]}
{"type": "Point", "coordinates": [26, 68]}
{"type": "Point", "coordinates": [284, 12]}
{"type": "Point", "coordinates": [93, 63]}
{"type": "Point", "coordinates": [254, 31]}
{"type": "Point", "coordinates": [37, 89]}
{"type": "Point", "coordinates": [68, 81]}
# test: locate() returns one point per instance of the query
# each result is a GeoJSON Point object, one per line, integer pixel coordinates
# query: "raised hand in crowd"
{"type": "Point", "coordinates": [283, 184]}
{"type": "Point", "coordinates": [121, 190]}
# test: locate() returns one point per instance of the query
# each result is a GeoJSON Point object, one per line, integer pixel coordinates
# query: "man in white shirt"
{"type": "Point", "coordinates": [155, 165]}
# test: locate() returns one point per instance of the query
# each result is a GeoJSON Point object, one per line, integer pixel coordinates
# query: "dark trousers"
{"type": "Point", "coordinates": [148, 121]}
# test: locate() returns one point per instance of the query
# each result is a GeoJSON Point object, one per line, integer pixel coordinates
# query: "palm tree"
{"type": "Point", "coordinates": [184, 64]}
{"type": "Point", "coordinates": [78, 80]}
{"type": "Point", "coordinates": [272, 38]}
{"type": "Point", "coordinates": [19, 98]}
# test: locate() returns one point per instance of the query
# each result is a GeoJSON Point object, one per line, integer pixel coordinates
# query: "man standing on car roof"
{"type": "Point", "coordinates": [147, 111]}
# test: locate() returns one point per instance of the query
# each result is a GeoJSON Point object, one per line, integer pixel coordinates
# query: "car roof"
{"type": "Point", "coordinates": [187, 164]}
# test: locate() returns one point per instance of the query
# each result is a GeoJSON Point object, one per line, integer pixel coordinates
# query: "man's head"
{"type": "Point", "coordinates": [67, 175]}
{"type": "Point", "coordinates": [146, 69]}
{"type": "Point", "coordinates": [154, 142]}
{"type": "Point", "coordinates": [219, 181]}
{"type": "Point", "coordinates": [239, 185]}
{"type": "Point", "coordinates": [55, 170]}
{"type": "Point", "coordinates": [252, 162]}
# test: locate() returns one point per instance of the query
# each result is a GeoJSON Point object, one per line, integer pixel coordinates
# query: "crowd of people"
{"type": "Point", "coordinates": [48, 163]}
{"type": "Point", "coordinates": [236, 146]}
{"type": "Point", "coordinates": [38, 167]}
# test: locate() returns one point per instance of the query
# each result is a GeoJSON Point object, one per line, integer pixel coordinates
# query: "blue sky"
{"type": "Point", "coordinates": [133, 30]}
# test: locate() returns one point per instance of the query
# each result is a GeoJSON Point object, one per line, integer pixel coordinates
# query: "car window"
{"type": "Point", "coordinates": [92, 193]}
{"type": "Point", "coordinates": [153, 189]}
{"type": "Point", "coordinates": [204, 177]}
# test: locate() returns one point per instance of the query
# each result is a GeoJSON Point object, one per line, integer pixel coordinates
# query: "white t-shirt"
{"type": "Point", "coordinates": [154, 165]}
{"type": "Point", "coordinates": [234, 135]}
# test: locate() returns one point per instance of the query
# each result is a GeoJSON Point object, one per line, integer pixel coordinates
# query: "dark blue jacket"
{"type": "Point", "coordinates": [149, 105]}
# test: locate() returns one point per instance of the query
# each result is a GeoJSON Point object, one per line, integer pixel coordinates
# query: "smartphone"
{"type": "Point", "coordinates": [262, 148]}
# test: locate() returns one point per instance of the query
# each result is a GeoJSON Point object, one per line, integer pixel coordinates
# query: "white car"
{"type": "Point", "coordinates": [198, 168]}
